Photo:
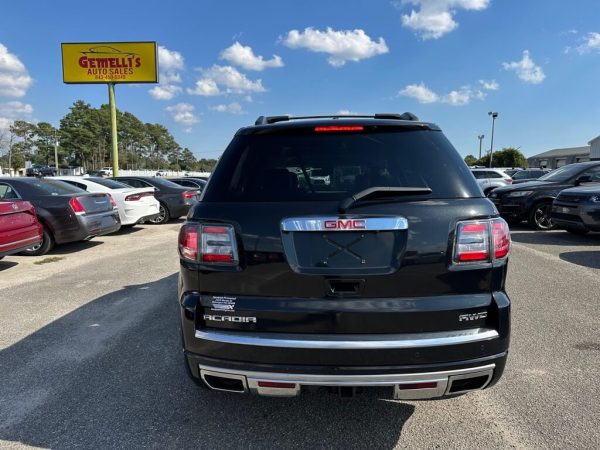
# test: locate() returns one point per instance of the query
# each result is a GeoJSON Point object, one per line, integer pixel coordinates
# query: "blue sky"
{"type": "Point", "coordinates": [536, 62]}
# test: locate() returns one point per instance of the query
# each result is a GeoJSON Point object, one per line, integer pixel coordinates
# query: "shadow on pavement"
{"type": "Point", "coordinates": [123, 231]}
{"type": "Point", "coordinates": [74, 247]}
{"type": "Point", "coordinates": [554, 238]}
{"type": "Point", "coordinates": [4, 265]}
{"type": "Point", "coordinates": [589, 259]}
{"type": "Point", "coordinates": [110, 374]}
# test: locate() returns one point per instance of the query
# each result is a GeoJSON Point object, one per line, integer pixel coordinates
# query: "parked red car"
{"type": "Point", "coordinates": [19, 227]}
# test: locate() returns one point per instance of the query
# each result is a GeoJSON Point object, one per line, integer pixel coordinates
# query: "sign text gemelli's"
{"type": "Point", "coordinates": [120, 62]}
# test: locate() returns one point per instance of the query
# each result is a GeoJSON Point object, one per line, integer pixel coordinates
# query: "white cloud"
{"type": "Point", "coordinates": [183, 113]}
{"type": "Point", "coordinates": [244, 57]}
{"type": "Point", "coordinates": [165, 91]}
{"type": "Point", "coordinates": [434, 18]}
{"type": "Point", "coordinates": [232, 108]}
{"type": "Point", "coordinates": [170, 62]}
{"type": "Point", "coordinates": [420, 93]}
{"type": "Point", "coordinates": [11, 111]}
{"type": "Point", "coordinates": [591, 42]}
{"type": "Point", "coordinates": [526, 69]}
{"type": "Point", "coordinates": [218, 80]}
{"type": "Point", "coordinates": [14, 79]}
{"type": "Point", "coordinates": [491, 85]}
{"type": "Point", "coordinates": [341, 46]}
{"type": "Point", "coordinates": [456, 97]}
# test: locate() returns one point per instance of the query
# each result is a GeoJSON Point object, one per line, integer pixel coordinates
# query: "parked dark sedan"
{"type": "Point", "coordinates": [175, 200]}
{"type": "Point", "coordinates": [532, 201]}
{"type": "Point", "coordinates": [190, 182]}
{"type": "Point", "coordinates": [38, 170]}
{"type": "Point", "coordinates": [67, 213]}
{"type": "Point", "coordinates": [577, 210]}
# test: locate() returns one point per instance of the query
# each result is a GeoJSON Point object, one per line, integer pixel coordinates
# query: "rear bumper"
{"type": "Point", "coordinates": [20, 245]}
{"type": "Point", "coordinates": [133, 214]}
{"type": "Point", "coordinates": [416, 383]}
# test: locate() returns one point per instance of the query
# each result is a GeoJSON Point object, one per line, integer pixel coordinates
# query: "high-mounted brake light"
{"type": "Point", "coordinates": [76, 206]}
{"type": "Point", "coordinates": [334, 128]}
{"type": "Point", "coordinates": [481, 241]}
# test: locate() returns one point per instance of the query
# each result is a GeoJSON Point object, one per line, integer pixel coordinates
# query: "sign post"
{"type": "Point", "coordinates": [110, 63]}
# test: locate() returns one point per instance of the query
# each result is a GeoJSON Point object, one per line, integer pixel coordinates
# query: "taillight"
{"type": "Point", "coordinates": [218, 244]}
{"type": "Point", "coordinates": [188, 195]}
{"type": "Point", "coordinates": [481, 241]}
{"type": "Point", "coordinates": [500, 238]}
{"type": "Point", "coordinates": [188, 242]}
{"type": "Point", "coordinates": [112, 201]}
{"type": "Point", "coordinates": [210, 244]}
{"type": "Point", "coordinates": [76, 206]}
{"type": "Point", "coordinates": [136, 197]}
{"type": "Point", "coordinates": [508, 180]}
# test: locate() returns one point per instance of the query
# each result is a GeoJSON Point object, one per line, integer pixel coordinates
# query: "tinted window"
{"type": "Point", "coordinates": [564, 173]}
{"type": "Point", "coordinates": [521, 175]}
{"type": "Point", "coordinates": [160, 182]}
{"type": "Point", "coordinates": [76, 184]}
{"type": "Point", "coordinates": [301, 165]}
{"type": "Point", "coordinates": [53, 187]}
{"type": "Point", "coordinates": [593, 173]}
{"type": "Point", "coordinates": [135, 183]}
{"type": "Point", "coordinates": [111, 184]}
{"type": "Point", "coordinates": [492, 174]}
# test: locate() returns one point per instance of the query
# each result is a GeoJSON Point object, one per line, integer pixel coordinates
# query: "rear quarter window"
{"type": "Point", "coordinates": [300, 165]}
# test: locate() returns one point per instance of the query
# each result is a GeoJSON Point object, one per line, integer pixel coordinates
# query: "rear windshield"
{"type": "Point", "coordinates": [165, 183]}
{"type": "Point", "coordinates": [111, 184]}
{"type": "Point", "coordinates": [54, 187]}
{"type": "Point", "coordinates": [304, 166]}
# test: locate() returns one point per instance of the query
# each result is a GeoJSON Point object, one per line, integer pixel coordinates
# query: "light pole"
{"type": "Point", "coordinates": [494, 115]}
{"type": "Point", "coordinates": [480, 137]}
{"type": "Point", "coordinates": [56, 152]}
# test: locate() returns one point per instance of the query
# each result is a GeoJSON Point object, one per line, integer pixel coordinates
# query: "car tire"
{"type": "Point", "coordinates": [44, 247]}
{"type": "Point", "coordinates": [577, 231]}
{"type": "Point", "coordinates": [163, 215]}
{"type": "Point", "coordinates": [540, 216]}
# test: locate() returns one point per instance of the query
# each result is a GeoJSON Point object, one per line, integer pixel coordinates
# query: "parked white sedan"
{"type": "Point", "coordinates": [135, 205]}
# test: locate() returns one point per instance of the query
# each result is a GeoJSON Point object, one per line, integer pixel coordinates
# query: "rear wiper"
{"type": "Point", "coordinates": [382, 191]}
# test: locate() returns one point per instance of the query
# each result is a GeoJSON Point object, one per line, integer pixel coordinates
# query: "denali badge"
{"type": "Point", "coordinates": [473, 316]}
{"type": "Point", "coordinates": [235, 319]}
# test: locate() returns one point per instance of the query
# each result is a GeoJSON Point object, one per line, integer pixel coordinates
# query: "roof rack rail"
{"type": "Point", "coordinates": [266, 120]}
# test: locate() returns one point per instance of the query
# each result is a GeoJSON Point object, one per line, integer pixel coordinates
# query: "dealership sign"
{"type": "Point", "coordinates": [109, 62]}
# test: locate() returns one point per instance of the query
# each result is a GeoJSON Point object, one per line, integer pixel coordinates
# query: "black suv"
{"type": "Point", "coordinates": [532, 201]}
{"type": "Point", "coordinates": [344, 252]}
{"type": "Point", "coordinates": [38, 170]}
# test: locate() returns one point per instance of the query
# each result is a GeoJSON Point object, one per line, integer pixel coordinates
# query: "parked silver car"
{"type": "Point", "coordinates": [490, 179]}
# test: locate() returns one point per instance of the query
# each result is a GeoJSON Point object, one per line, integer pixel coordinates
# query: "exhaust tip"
{"type": "Point", "coordinates": [460, 384]}
{"type": "Point", "coordinates": [224, 381]}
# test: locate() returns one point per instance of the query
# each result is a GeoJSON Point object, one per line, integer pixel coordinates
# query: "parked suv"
{"type": "Point", "coordinates": [532, 201]}
{"type": "Point", "coordinates": [522, 176]}
{"type": "Point", "coordinates": [391, 273]}
{"type": "Point", "coordinates": [490, 179]}
{"type": "Point", "coordinates": [577, 210]}
{"type": "Point", "coordinates": [40, 171]}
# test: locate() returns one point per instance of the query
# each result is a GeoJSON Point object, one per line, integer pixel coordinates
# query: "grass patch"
{"type": "Point", "coordinates": [50, 259]}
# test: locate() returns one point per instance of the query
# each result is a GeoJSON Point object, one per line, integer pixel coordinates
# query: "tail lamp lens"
{"type": "Point", "coordinates": [136, 197]}
{"type": "Point", "coordinates": [112, 201]}
{"type": "Point", "coordinates": [210, 244]}
{"type": "Point", "coordinates": [481, 241]}
{"type": "Point", "coordinates": [188, 242]}
{"type": "Point", "coordinates": [187, 195]}
{"type": "Point", "coordinates": [76, 206]}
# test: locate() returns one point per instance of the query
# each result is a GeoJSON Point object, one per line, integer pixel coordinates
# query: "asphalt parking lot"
{"type": "Point", "coordinates": [90, 358]}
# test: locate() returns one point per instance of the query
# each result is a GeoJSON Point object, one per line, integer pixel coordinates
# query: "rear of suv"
{"type": "Point", "coordinates": [331, 252]}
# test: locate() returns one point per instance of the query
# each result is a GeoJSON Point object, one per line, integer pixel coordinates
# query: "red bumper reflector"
{"type": "Point", "coordinates": [428, 385]}
{"type": "Point", "coordinates": [275, 384]}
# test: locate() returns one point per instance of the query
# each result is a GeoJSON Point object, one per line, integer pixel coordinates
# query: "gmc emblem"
{"type": "Point", "coordinates": [345, 224]}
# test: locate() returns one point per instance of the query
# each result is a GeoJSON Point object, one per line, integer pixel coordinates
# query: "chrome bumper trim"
{"type": "Point", "coordinates": [348, 341]}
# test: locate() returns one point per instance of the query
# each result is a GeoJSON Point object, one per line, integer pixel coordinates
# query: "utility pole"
{"type": "Point", "coordinates": [113, 127]}
{"type": "Point", "coordinates": [494, 115]}
{"type": "Point", "coordinates": [56, 152]}
{"type": "Point", "coordinates": [480, 137]}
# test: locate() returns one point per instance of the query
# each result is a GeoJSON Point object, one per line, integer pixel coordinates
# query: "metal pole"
{"type": "Point", "coordinates": [480, 137]}
{"type": "Point", "coordinates": [56, 153]}
{"type": "Point", "coordinates": [113, 127]}
{"type": "Point", "coordinates": [494, 115]}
